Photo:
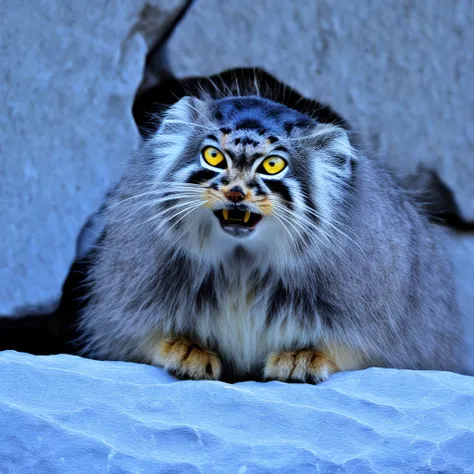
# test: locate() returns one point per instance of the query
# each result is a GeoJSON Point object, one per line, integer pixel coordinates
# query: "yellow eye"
{"type": "Point", "coordinates": [272, 165]}
{"type": "Point", "coordinates": [214, 157]}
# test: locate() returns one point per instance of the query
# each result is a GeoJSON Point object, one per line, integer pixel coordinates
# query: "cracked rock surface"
{"type": "Point", "coordinates": [123, 417]}
{"type": "Point", "coordinates": [461, 252]}
{"type": "Point", "coordinates": [70, 71]}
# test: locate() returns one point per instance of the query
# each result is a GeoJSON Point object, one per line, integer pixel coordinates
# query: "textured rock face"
{"type": "Point", "coordinates": [399, 71]}
{"type": "Point", "coordinates": [461, 250]}
{"type": "Point", "coordinates": [69, 75]}
{"type": "Point", "coordinates": [66, 414]}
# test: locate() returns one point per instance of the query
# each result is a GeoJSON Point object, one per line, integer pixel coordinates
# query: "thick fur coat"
{"type": "Point", "coordinates": [341, 271]}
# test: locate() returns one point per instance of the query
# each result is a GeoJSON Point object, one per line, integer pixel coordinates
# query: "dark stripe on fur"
{"type": "Point", "coordinates": [255, 185]}
{"type": "Point", "coordinates": [303, 302]}
{"type": "Point", "coordinates": [280, 188]}
{"type": "Point", "coordinates": [323, 141]}
{"type": "Point", "coordinates": [231, 155]}
{"type": "Point", "coordinates": [249, 141]}
{"type": "Point", "coordinates": [206, 295]}
{"type": "Point", "coordinates": [249, 124]}
{"type": "Point", "coordinates": [339, 160]}
{"type": "Point", "coordinates": [274, 113]}
{"type": "Point", "coordinates": [280, 148]}
{"type": "Point", "coordinates": [190, 348]}
{"type": "Point", "coordinates": [288, 126]}
{"type": "Point", "coordinates": [201, 176]}
{"type": "Point", "coordinates": [306, 191]}
{"type": "Point", "coordinates": [303, 123]}
{"type": "Point", "coordinates": [352, 180]}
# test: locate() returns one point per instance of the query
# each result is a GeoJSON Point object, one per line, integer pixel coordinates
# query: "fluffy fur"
{"type": "Point", "coordinates": [343, 271]}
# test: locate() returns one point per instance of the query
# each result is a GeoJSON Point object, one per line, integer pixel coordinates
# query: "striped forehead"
{"type": "Point", "coordinates": [251, 127]}
{"type": "Point", "coordinates": [261, 116]}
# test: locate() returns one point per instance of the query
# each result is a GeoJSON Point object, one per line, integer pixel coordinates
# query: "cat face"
{"type": "Point", "coordinates": [247, 171]}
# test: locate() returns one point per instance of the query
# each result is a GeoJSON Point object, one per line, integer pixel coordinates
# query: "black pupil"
{"type": "Point", "coordinates": [272, 163]}
{"type": "Point", "coordinates": [213, 154]}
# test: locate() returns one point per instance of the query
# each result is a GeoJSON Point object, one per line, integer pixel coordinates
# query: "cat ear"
{"type": "Point", "coordinates": [333, 142]}
{"type": "Point", "coordinates": [187, 109]}
{"type": "Point", "coordinates": [183, 117]}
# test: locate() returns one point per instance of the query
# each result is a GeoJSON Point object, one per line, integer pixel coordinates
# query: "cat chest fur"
{"type": "Point", "coordinates": [246, 319]}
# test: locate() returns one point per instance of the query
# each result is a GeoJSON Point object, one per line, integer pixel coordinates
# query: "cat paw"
{"type": "Point", "coordinates": [300, 366]}
{"type": "Point", "coordinates": [186, 359]}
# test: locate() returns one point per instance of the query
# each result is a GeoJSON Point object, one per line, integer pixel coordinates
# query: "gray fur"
{"type": "Point", "coordinates": [367, 281]}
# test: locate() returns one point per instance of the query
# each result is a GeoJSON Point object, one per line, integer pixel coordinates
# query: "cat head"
{"type": "Point", "coordinates": [250, 173]}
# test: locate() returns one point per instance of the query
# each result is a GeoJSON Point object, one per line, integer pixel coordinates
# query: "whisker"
{"type": "Point", "coordinates": [327, 129]}
{"type": "Point", "coordinates": [174, 183]}
{"type": "Point", "coordinates": [236, 83]}
{"type": "Point", "coordinates": [154, 201]}
{"type": "Point", "coordinates": [321, 234]}
{"type": "Point", "coordinates": [198, 190]}
{"type": "Point", "coordinates": [330, 224]}
{"type": "Point", "coordinates": [165, 219]}
{"type": "Point", "coordinates": [216, 88]}
{"type": "Point", "coordinates": [203, 116]}
{"type": "Point", "coordinates": [307, 226]}
{"type": "Point", "coordinates": [189, 123]}
{"type": "Point", "coordinates": [177, 206]}
{"type": "Point", "coordinates": [181, 218]}
{"type": "Point", "coordinates": [313, 211]}
{"type": "Point", "coordinates": [255, 83]}
{"type": "Point", "coordinates": [286, 228]}
{"type": "Point", "coordinates": [290, 223]}
{"type": "Point", "coordinates": [176, 197]}
{"type": "Point", "coordinates": [335, 228]}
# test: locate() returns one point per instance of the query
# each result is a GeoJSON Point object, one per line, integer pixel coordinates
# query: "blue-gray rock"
{"type": "Point", "coordinates": [64, 414]}
{"type": "Point", "coordinates": [70, 71]}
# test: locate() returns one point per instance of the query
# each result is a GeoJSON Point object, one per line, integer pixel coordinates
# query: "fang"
{"type": "Point", "coordinates": [247, 216]}
{"type": "Point", "coordinates": [225, 213]}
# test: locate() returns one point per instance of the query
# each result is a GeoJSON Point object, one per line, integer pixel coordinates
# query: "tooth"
{"type": "Point", "coordinates": [247, 216]}
{"type": "Point", "coordinates": [225, 213]}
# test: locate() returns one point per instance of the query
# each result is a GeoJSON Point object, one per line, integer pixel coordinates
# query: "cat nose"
{"type": "Point", "coordinates": [236, 194]}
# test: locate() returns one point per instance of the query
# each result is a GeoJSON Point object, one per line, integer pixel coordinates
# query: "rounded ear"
{"type": "Point", "coordinates": [325, 135]}
{"type": "Point", "coordinates": [187, 109]}
{"type": "Point", "coordinates": [341, 144]}
{"type": "Point", "coordinates": [183, 117]}
{"type": "Point", "coordinates": [335, 156]}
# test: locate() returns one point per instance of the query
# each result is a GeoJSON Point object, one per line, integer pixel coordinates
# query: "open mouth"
{"type": "Point", "coordinates": [238, 222]}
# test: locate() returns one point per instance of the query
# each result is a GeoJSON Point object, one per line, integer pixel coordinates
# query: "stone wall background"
{"type": "Point", "coordinates": [401, 71]}
{"type": "Point", "coordinates": [69, 73]}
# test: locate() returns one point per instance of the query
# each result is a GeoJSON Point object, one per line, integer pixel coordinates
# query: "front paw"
{"type": "Point", "coordinates": [300, 366]}
{"type": "Point", "coordinates": [186, 359]}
